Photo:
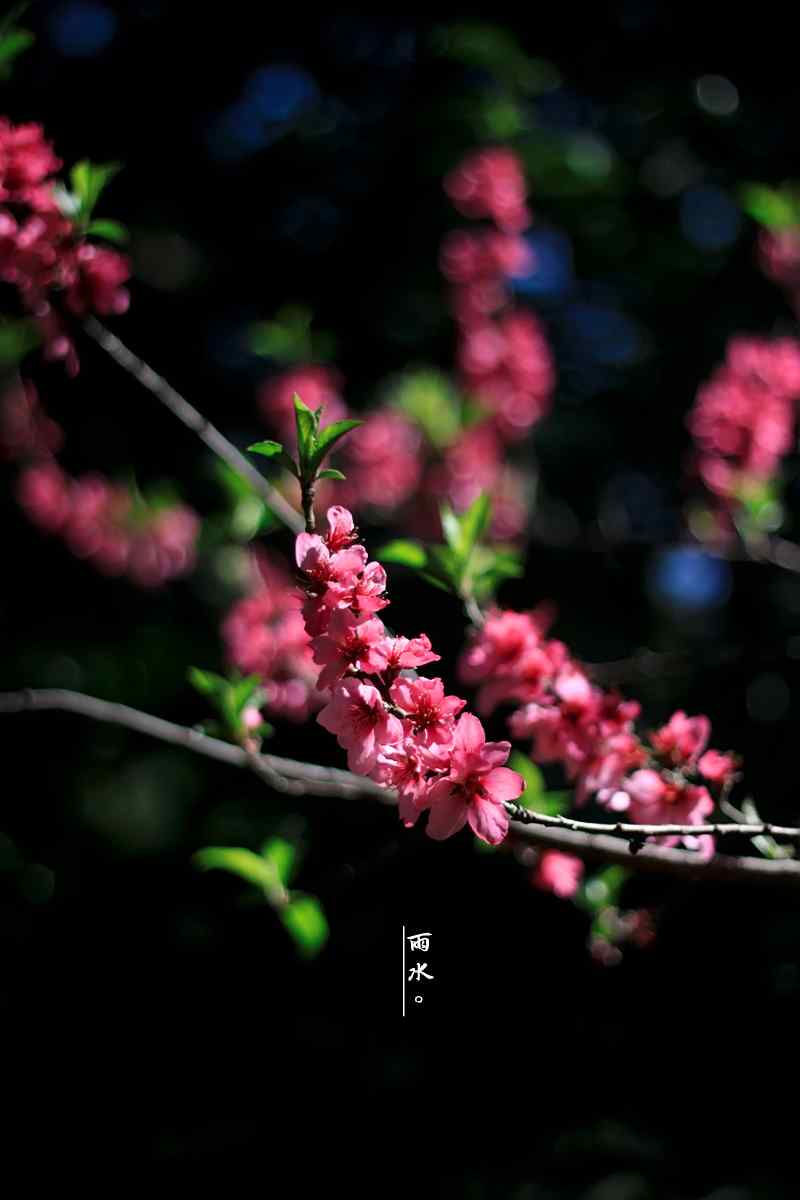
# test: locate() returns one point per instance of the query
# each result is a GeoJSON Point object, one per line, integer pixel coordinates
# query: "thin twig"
{"type": "Point", "coordinates": [663, 860]}
{"type": "Point", "coordinates": [284, 774]}
{"type": "Point", "coordinates": [193, 420]}
{"type": "Point", "coordinates": [299, 778]}
{"type": "Point", "coordinates": [527, 816]}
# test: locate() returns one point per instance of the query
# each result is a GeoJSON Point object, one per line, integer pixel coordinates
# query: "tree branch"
{"type": "Point", "coordinates": [583, 838]}
{"type": "Point", "coordinates": [193, 420]}
{"type": "Point", "coordinates": [527, 816]}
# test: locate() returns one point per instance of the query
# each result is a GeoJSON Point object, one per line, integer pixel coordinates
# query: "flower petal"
{"type": "Point", "coordinates": [489, 821]}
{"type": "Point", "coordinates": [470, 736]}
{"type": "Point", "coordinates": [503, 784]}
{"type": "Point", "coordinates": [448, 814]}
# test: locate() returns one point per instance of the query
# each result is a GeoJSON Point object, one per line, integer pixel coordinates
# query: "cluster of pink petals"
{"type": "Point", "coordinates": [26, 431]}
{"type": "Point", "coordinates": [42, 254]}
{"type": "Point", "coordinates": [779, 257]}
{"type": "Point", "coordinates": [663, 779]}
{"type": "Point", "coordinates": [264, 634]}
{"type": "Point", "coordinates": [503, 357]}
{"type": "Point", "coordinates": [505, 367]}
{"type": "Point", "coordinates": [101, 522]}
{"type": "Point", "coordinates": [491, 183]}
{"type": "Point", "coordinates": [382, 461]}
{"type": "Point", "coordinates": [400, 729]}
{"type": "Point", "coordinates": [319, 387]}
{"type": "Point", "coordinates": [474, 463]}
{"type": "Point", "coordinates": [743, 420]}
{"type": "Point", "coordinates": [558, 873]}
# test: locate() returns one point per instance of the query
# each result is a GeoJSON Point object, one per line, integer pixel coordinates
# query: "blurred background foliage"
{"type": "Point", "coordinates": [289, 160]}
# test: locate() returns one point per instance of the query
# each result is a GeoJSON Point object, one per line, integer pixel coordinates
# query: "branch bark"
{"type": "Point", "coordinates": [586, 840]}
{"type": "Point", "coordinates": [193, 420]}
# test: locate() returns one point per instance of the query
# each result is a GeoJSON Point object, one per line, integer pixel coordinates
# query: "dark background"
{"type": "Point", "coordinates": [155, 1017]}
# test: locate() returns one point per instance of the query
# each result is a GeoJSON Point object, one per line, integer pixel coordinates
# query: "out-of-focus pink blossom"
{"type": "Point", "coordinates": [264, 635]}
{"type": "Point", "coordinates": [490, 183]}
{"type": "Point", "coordinates": [382, 462]}
{"type": "Point", "coordinates": [26, 432]}
{"type": "Point", "coordinates": [317, 387]}
{"type": "Point", "coordinates": [743, 419]}
{"type": "Point", "coordinates": [716, 767]}
{"type": "Point", "coordinates": [683, 739]}
{"type": "Point", "coordinates": [43, 253]}
{"type": "Point", "coordinates": [558, 873]}
{"type": "Point", "coordinates": [96, 519]}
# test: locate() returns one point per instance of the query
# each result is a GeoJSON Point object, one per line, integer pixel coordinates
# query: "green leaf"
{"type": "Point", "coordinates": [428, 397]}
{"type": "Point", "coordinates": [462, 532]}
{"type": "Point", "coordinates": [306, 922]}
{"type": "Point", "coordinates": [534, 780]}
{"type": "Point", "coordinates": [289, 337]}
{"type": "Point", "coordinates": [331, 473]}
{"type": "Point", "coordinates": [451, 528]}
{"type": "Point", "coordinates": [283, 856]}
{"type": "Point", "coordinates": [13, 44]}
{"type": "Point", "coordinates": [329, 436]}
{"type": "Point", "coordinates": [206, 682]}
{"type": "Point", "coordinates": [238, 861]}
{"type": "Point", "coordinates": [474, 522]}
{"type": "Point", "coordinates": [307, 425]}
{"type": "Point", "coordinates": [403, 552]}
{"type": "Point", "coordinates": [242, 692]}
{"type": "Point", "coordinates": [270, 449]}
{"type": "Point", "coordinates": [775, 208]}
{"type": "Point", "coordinates": [88, 182]}
{"type": "Point", "coordinates": [112, 231]}
{"type": "Point", "coordinates": [17, 338]}
{"type": "Point", "coordinates": [445, 565]}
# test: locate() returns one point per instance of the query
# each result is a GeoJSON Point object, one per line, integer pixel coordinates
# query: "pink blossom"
{"type": "Point", "coordinates": [361, 723]}
{"type": "Point", "coordinates": [410, 767]}
{"type": "Point", "coordinates": [350, 643]}
{"type": "Point", "coordinates": [26, 159]}
{"type": "Point", "coordinates": [683, 739]}
{"type": "Point", "coordinates": [97, 286]}
{"type": "Point", "coordinates": [404, 653]}
{"type": "Point", "coordinates": [381, 460]}
{"type": "Point", "coordinates": [430, 715]}
{"type": "Point", "coordinates": [558, 873]}
{"type": "Point", "coordinates": [716, 767]}
{"type": "Point", "coordinates": [25, 429]}
{"type": "Point", "coordinates": [321, 566]}
{"type": "Point", "coordinates": [317, 387]}
{"type": "Point", "coordinates": [490, 183]}
{"type": "Point", "coordinates": [476, 787]}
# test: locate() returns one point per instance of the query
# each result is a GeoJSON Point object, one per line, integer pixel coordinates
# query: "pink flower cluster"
{"type": "Point", "coordinates": [504, 366]}
{"type": "Point", "coordinates": [264, 634]}
{"type": "Point", "coordinates": [42, 254]}
{"type": "Point", "coordinates": [503, 356]}
{"type": "Point", "coordinates": [318, 386]}
{"type": "Point", "coordinates": [26, 431]}
{"type": "Point", "coordinates": [743, 420]}
{"type": "Point", "coordinates": [491, 183]}
{"type": "Point", "coordinates": [779, 258]}
{"type": "Point", "coordinates": [397, 728]}
{"type": "Point", "coordinates": [103, 523]}
{"type": "Point", "coordinates": [663, 779]}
